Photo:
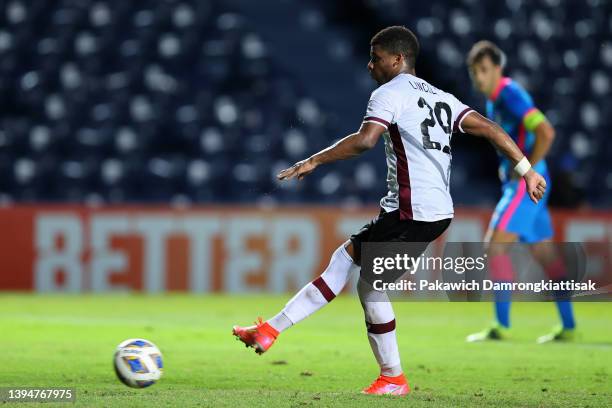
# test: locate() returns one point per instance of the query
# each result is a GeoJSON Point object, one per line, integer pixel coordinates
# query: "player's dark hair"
{"type": "Point", "coordinates": [484, 49]}
{"type": "Point", "coordinates": [398, 40]}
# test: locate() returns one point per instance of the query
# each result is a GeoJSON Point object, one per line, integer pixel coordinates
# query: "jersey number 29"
{"type": "Point", "coordinates": [430, 122]}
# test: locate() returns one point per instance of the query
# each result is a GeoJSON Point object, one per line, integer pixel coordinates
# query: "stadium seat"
{"type": "Point", "coordinates": [187, 101]}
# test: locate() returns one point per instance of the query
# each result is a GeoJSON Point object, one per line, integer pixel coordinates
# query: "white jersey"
{"type": "Point", "coordinates": [420, 120]}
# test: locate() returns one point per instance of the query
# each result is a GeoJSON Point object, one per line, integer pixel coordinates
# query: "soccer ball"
{"type": "Point", "coordinates": [138, 363]}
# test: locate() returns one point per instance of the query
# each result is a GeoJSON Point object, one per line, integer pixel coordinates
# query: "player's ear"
{"type": "Point", "coordinates": [398, 60]}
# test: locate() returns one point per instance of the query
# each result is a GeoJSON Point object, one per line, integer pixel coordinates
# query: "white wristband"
{"type": "Point", "coordinates": [522, 167]}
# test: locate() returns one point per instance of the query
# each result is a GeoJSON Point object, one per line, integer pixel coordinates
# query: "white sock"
{"type": "Point", "coordinates": [280, 322]}
{"type": "Point", "coordinates": [317, 293]}
{"type": "Point", "coordinates": [380, 322]}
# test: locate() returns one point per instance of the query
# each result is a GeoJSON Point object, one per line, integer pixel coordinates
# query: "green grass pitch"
{"type": "Point", "coordinates": [68, 341]}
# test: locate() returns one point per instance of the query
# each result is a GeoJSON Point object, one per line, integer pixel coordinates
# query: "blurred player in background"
{"type": "Point", "coordinates": [516, 218]}
{"type": "Point", "coordinates": [416, 121]}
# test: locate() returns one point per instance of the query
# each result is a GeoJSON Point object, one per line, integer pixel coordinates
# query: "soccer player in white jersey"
{"type": "Point", "coordinates": [416, 121]}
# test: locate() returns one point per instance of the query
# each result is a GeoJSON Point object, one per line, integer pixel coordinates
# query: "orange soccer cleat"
{"type": "Point", "coordinates": [260, 336]}
{"type": "Point", "coordinates": [388, 386]}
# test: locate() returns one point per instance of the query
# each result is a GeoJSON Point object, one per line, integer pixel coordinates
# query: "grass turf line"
{"type": "Point", "coordinates": [68, 341]}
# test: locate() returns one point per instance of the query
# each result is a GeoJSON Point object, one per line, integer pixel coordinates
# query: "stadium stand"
{"type": "Point", "coordinates": [196, 101]}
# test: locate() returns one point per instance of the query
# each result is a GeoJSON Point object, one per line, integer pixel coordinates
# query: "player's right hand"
{"type": "Point", "coordinates": [536, 185]}
{"type": "Point", "coordinates": [299, 170]}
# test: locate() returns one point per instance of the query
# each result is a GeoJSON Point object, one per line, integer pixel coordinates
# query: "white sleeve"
{"type": "Point", "coordinates": [380, 108]}
{"type": "Point", "coordinates": [460, 111]}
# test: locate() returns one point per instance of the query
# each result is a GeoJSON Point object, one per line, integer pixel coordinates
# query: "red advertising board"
{"type": "Point", "coordinates": [210, 249]}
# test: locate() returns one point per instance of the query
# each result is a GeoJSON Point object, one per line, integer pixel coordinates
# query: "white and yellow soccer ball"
{"type": "Point", "coordinates": [138, 363]}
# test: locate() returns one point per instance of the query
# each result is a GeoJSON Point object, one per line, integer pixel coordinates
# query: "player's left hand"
{"type": "Point", "coordinates": [299, 170]}
{"type": "Point", "coordinates": [536, 185]}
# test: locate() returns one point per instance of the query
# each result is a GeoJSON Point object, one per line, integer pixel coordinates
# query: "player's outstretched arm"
{"type": "Point", "coordinates": [352, 145]}
{"type": "Point", "coordinates": [477, 125]}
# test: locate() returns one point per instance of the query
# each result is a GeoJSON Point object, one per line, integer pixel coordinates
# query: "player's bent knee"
{"type": "Point", "coordinates": [338, 272]}
{"type": "Point", "coordinates": [350, 250]}
{"type": "Point", "coordinates": [378, 312]}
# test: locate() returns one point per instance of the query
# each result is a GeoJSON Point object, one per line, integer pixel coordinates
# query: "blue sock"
{"type": "Point", "coordinates": [502, 307]}
{"type": "Point", "coordinates": [566, 312]}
